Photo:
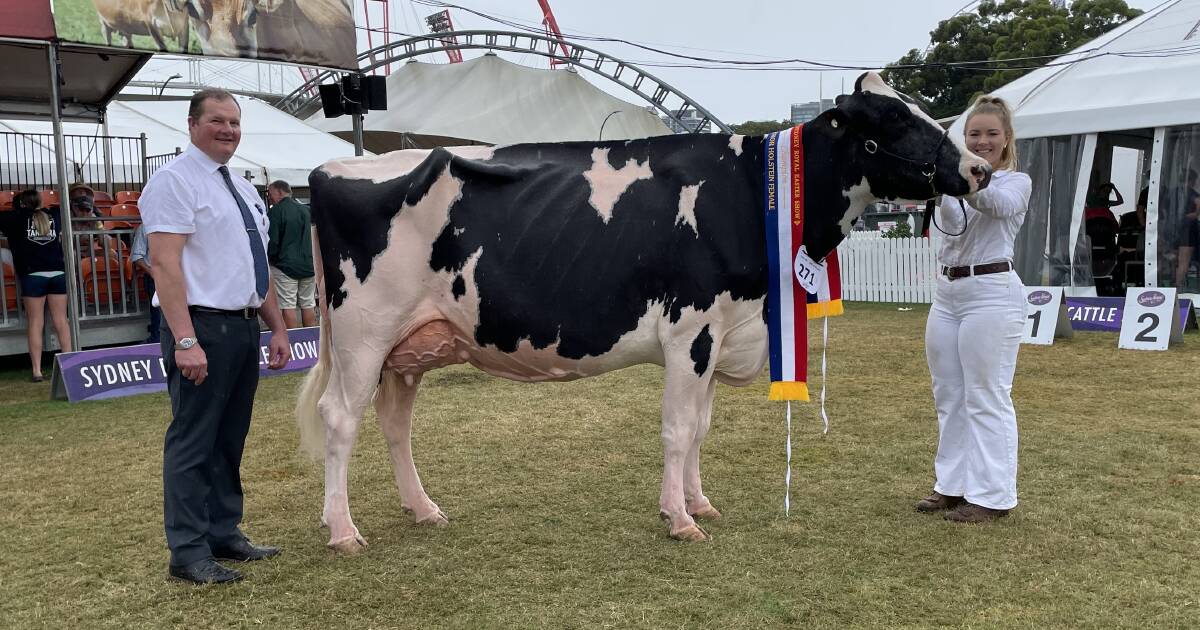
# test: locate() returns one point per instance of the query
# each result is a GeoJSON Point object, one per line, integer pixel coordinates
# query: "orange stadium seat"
{"type": "Point", "coordinates": [99, 278]}
{"type": "Point", "coordinates": [128, 196]}
{"type": "Point", "coordinates": [49, 197]}
{"type": "Point", "coordinates": [122, 210]}
{"type": "Point", "coordinates": [10, 288]}
{"type": "Point", "coordinates": [6, 199]}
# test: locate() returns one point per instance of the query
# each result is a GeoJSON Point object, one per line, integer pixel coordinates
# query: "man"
{"type": "Point", "coordinates": [207, 230]}
{"type": "Point", "coordinates": [139, 258]}
{"type": "Point", "coordinates": [290, 254]}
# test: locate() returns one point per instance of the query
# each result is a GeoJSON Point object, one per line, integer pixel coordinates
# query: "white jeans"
{"type": "Point", "coordinates": [971, 343]}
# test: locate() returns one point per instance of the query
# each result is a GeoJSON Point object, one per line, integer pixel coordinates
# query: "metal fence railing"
{"type": "Point", "coordinates": [110, 163]}
{"type": "Point", "coordinates": [153, 162]}
{"type": "Point", "coordinates": [107, 285]}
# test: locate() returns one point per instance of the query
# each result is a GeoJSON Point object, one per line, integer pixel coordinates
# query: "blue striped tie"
{"type": "Point", "coordinates": [256, 246]}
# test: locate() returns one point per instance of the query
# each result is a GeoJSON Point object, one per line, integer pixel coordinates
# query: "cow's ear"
{"type": "Point", "coordinates": [859, 81]}
{"type": "Point", "coordinates": [839, 99]}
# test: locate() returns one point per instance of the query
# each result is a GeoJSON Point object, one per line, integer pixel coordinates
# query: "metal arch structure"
{"type": "Point", "coordinates": [302, 101]}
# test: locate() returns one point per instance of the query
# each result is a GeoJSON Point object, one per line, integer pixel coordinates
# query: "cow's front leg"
{"type": "Point", "coordinates": [394, 405]}
{"type": "Point", "coordinates": [698, 505]}
{"type": "Point", "coordinates": [685, 399]}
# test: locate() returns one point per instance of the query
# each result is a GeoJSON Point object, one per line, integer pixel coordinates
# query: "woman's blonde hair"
{"type": "Point", "coordinates": [996, 106]}
{"type": "Point", "coordinates": [31, 199]}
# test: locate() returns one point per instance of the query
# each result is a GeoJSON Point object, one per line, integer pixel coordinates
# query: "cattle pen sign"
{"type": "Point", "coordinates": [130, 370]}
{"type": "Point", "coordinates": [306, 32]}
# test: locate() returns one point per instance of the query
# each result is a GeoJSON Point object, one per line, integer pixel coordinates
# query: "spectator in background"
{"type": "Point", "coordinates": [1190, 228]}
{"type": "Point", "coordinates": [290, 255]}
{"type": "Point", "coordinates": [139, 257]}
{"type": "Point", "coordinates": [1132, 243]}
{"type": "Point", "coordinates": [34, 237]}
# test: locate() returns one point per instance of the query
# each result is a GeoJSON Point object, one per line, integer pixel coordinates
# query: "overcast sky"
{"type": "Point", "coordinates": [847, 32]}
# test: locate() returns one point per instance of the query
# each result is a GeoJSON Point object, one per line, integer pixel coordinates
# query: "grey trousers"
{"type": "Point", "coordinates": [202, 452]}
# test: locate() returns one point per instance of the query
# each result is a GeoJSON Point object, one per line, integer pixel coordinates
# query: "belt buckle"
{"type": "Point", "coordinates": [247, 312]}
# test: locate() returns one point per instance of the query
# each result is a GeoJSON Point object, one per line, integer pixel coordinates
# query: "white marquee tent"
{"type": "Point", "coordinates": [1123, 108]}
{"type": "Point", "coordinates": [274, 145]}
{"type": "Point", "coordinates": [492, 101]}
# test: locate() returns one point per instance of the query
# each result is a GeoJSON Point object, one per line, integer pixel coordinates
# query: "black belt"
{"type": "Point", "coordinates": [245, 313]}
{"type": "Point", "coordinates": [967, 271]}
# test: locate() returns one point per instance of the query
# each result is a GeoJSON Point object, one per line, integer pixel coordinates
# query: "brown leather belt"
{"type": "Point", "coordinates": [967, 271]}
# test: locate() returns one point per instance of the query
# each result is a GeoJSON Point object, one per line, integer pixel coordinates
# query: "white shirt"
{"type": "Point", "coordinates": [189, 196]}
{"type": "Point", "coordinates": [993, 218]}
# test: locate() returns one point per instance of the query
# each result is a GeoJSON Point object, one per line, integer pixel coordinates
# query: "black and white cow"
{"type": "Point", "coordinates": [559, 261]}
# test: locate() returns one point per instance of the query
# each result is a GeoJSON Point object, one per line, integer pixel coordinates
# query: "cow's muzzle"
{"type": "Point", "coordinates": [982, 174]}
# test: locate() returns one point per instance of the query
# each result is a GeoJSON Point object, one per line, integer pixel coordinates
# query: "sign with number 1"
{"type": "Point", "coordinates": [1151, 320]}
{"type": "Point", "coordinates": [1045, 316]}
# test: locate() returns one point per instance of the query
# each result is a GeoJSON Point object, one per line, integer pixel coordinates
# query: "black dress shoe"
{"type": "Point", "coordinates": [205, 571]}
{"type": "Point", "coordinates": [244, 551]}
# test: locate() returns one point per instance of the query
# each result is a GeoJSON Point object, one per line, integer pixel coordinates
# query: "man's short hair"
{"type": "Point", "coordinates": [281, 186]}
{"type": "Point", "coordinates": [196, 106]}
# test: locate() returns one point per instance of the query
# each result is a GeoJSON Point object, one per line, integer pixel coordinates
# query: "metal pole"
{"type": "Point", "coordinates": [145, 165]}
{"type": "Point", "coordinates": [358, 133]}
{"type": "Point", "coordinates": [68, 233]}
{"type": "Point", "coordinates": [106, 145]}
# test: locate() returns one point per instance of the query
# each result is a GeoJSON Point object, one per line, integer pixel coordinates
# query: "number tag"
{"type": "Point", "coordinates": [808, 271]}
{"type": "Point", "coordinates": [1045, 316]}
{"type": "Point", "coordinates": [1150, 320]}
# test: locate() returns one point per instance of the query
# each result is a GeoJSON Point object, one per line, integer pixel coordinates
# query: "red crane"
{"type": "Point", "coordinates": [551, 26]}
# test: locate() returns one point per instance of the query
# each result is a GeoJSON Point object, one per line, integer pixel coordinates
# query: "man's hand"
{"type": "Point", "coordinates": [193, 363]}
{"type": "Point", "coordinates": [280, 350]}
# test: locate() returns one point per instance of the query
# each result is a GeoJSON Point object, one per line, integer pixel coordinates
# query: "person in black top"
{"type": "Point", "coordinates": [34, 237]}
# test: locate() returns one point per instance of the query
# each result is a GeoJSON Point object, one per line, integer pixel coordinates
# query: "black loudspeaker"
{"type": "Point", "coordinates": [374, 92]}
{"type": "Point", "coordinates": [352, 93]}
{"type": "Point", "coordinates": [331, 100]}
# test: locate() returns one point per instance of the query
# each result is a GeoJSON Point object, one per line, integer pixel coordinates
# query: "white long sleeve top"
{"type": "Point", "coordinates": [993, 218]}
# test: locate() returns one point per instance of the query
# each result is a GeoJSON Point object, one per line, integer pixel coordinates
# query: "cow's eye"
{"type": "Point", "coordinates": [252, 18]}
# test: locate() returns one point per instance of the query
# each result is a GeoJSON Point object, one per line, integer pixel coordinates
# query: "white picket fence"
{"type": "Point", "coordinates": [877, 269]}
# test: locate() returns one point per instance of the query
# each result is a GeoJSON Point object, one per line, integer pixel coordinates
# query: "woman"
{"type": "Point", "coordinates": [34, 237]}
{"type": "Point", "coordinates": [974, 330]}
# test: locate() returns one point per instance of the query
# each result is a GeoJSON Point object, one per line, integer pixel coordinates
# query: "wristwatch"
{"type": "Point", "coordinates": [185, 344]}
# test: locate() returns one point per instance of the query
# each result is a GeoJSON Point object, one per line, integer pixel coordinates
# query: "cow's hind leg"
{"type": "Point", "coordinates": [698, 505]}
{"type": "Point", "coordinates": [342, 405]}
{"type": "Point", "coordinates": [686, 398]}
{"type": "Point", "coordinates": [394, 405]}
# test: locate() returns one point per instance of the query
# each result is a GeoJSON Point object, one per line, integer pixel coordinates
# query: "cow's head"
{"type": "Point", "coordinates": [890, 149]}
{"type": "Point", "coordinates": [227, 27]}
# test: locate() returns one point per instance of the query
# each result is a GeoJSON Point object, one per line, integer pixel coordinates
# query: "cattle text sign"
{"type": "Point", "coordinates": [1152, 320]}
{"type": "Point", "coordinates": [307, 32]}
{"type": "Point", "coordinates": [129, 370]}
{"type": "Point", "coordinates": [1105, 314]}
{"type": "Point", "coordinates": [1045, 316]}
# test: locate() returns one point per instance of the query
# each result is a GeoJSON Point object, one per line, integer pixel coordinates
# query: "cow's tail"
{"type": "Point", "coordinates": [308, 415]}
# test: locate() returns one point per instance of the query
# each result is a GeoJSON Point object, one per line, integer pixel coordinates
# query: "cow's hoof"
{"type": "Point", "coordinates": [691, 533]}
{"type": "Point", "coordinates": [349, 545]}
{"type": "Point", "coordinates": [706, 512]}
{"type": "Point", "coordinates": [436, 519]}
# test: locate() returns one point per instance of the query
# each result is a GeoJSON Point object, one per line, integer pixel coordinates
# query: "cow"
{"type": "Point", "coordinates": [154, 18]}
{"type": "Point", "coordinates": [557, 261]}
{"type": "Point", "coordinates": [295, 25]}
{"type": "Point", "coordinates": [226, 28]}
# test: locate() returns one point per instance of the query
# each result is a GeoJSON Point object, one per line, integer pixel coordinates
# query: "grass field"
{"type": "Point", "coordinates": [552, 491]}
{"type": "Point", "coordinates": [77, 21]}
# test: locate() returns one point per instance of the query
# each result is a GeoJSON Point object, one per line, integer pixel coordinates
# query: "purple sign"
{"type": "Point", "coordinates": [1151, 299]}
{"type": "Point", "coordinates": [1038, 298]}
{"type": "Point", "coordinates": [129, 370]}
{"type": "Point", "coordinates": [1104, 313]}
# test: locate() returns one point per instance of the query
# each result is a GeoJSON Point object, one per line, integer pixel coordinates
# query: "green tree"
{"type": "Point", "coordinates": [999, 30]}
{"type": "Point", "coordinates": [760, 127]}
{"type": "Point", "coordinates": [901, 230]}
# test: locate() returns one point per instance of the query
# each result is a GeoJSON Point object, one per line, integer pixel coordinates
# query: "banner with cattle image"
{"type": "Point", "coordinates": [306, 32]}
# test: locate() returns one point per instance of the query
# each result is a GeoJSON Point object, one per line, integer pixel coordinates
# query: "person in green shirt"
{"type": "Point", "coordinates": [290, 255]}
